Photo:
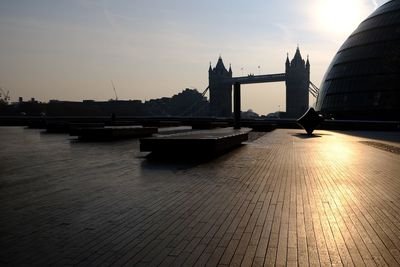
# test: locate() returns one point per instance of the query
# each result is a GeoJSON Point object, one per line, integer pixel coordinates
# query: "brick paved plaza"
{"type": "Point", "coordinates": [283, 199]}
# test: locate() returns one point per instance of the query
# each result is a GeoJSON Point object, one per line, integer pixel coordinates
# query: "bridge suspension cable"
{"type": "Point", "coordinates": [313, 89]}
{"type": "Point", "coordinates": [205, 91]}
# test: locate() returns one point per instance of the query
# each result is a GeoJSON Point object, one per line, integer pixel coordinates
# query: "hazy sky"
{"type": "Point", "coordinates": [71, 49]}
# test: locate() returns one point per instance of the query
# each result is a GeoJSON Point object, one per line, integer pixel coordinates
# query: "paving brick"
{"type": "Point", "coordinates": [281, 200]}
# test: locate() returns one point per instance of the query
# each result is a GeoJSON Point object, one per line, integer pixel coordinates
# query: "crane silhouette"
{"type": "Point", "coordinates": [115, 91]}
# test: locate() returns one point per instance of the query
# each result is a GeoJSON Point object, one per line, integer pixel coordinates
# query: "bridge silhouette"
{"type": "Point", "coordinates": [296, 77]}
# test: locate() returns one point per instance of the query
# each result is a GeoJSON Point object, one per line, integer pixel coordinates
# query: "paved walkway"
{"type": "Point", "coordinates": [283, 199]}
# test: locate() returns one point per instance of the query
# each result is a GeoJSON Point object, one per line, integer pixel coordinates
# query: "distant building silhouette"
{"type": "Point", "coordinates": [94, 108]}
{"type": "Point", "coordinates": [188, 103]}
{"type": "Point", "coordinates": [297, 84]}
{"type": "Point", "coordinates": [220, 93]}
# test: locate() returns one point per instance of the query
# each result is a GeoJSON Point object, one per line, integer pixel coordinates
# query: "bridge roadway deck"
{"type": "Point", "coordinates": [267, 78]}
{"type": "Point", "coordinates": [281, 199]}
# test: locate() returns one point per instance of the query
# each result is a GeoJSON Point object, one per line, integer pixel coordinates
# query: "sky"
{"type": "Point", "coordinates": [73, 49]}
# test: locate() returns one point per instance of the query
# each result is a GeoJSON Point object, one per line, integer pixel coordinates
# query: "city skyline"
{"type": "Point", "coordinates": [71, 50]}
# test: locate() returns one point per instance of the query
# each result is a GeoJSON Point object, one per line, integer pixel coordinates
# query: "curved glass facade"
{"type": "Point", "coordinates": [363, 80]}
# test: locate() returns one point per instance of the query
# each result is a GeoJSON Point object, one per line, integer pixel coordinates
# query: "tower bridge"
{"type": "Point", "coordinates": [296, 78]}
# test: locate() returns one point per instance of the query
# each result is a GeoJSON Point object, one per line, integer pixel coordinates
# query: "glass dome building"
{"type": "Point", "coordinates": [363, 80]}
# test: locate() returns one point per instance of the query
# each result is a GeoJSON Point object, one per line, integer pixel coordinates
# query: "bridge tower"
{"type": "Point", "coordinates": [220, 93]}
{"type": "Point", "coordinates": [297, 84]}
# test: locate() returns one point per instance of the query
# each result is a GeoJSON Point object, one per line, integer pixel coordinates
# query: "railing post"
{"type": "Point", "coordinates": [236, 105]}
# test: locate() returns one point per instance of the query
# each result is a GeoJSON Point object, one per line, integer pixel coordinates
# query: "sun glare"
{"type": "Point", "coordinates": [340, 16]}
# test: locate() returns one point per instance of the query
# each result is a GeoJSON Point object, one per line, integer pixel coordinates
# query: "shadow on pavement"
{"type": "Point", "coordinates": [306, 136]}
